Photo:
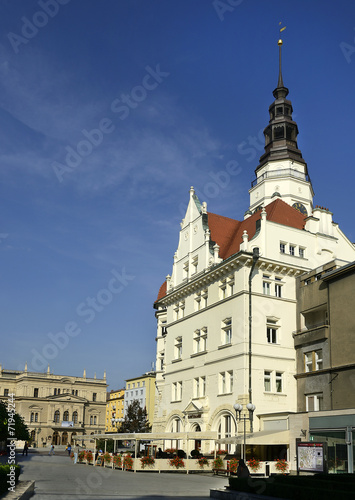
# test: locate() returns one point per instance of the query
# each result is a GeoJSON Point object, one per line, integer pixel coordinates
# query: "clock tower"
{"type": "Point", "coordinates": [282, 172]}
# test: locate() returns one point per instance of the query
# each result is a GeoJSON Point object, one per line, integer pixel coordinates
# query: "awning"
{"type": "Point", "coordinates": [261, 438]}
{"type": "Point", "coordinates": [150, 436]}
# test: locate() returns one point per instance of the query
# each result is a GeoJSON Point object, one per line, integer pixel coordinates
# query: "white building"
{"type": "Point", "coordinates": [211, 354]}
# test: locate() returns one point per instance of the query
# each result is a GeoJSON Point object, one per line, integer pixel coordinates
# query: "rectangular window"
{"type": "Point", "coordinates": [226, 331]}
{"type": "Point", "coordinates": [176, 391]}
{"type": "Point", "coordinates": [308, 362]}
{"type": "Point", "coordinates": [194, 265]}
{"type": "Point", "coordinates": [313, 361]}
{"type": "Point", "coordinates": [278, 380]}
{"type": "Point", "coordinates": [292, 249]}
{"type": "Point", "coordinates": [35, 392]}
{"type": "Point", "coordinates": [94, 395]}
{"type": "Point", "coordinates": [271, 334]}
{"type": "Point", "coordinates": [197, 387]}
{"type": "Point", "coordinates": [6, 392]}
{"type": "Point", "coordinates": [222, 383]}
{"type": "Point", "coordinates": [272, 331]}
{"type": "Point", "coordinates": [204, 297]}
{"type": "Point", "coordinates": [138, 384]}
{"type": "Point", "coordinates": [178, 348]}
{"type": "Point", "coordinates": [314, 402]}
{"type": "Point", "coordinates": [267, 381]}
{"type": "Point", "coordinates": [226, 382]}
{"type": "Point", "coordinates": [200, 340]}
{"type": "Point", "coordinates": [223, 289]}
{"type": "Point", "coordinates": [266, 288]}
{"type": "Point", "coordinates": [186, 270]}
{"type": "Point", "coordinates": [230, 283]}
{"type": "Point", "coordinates": [318, 358]}
{"type": "Point", "coordinates": [282, 247]}
{"type": "Point", "coordinates": [202, 387]}
{"type": "Point", "coordinates": [301, 252]}
{"type": "Point", "coordinates": [278, 290]}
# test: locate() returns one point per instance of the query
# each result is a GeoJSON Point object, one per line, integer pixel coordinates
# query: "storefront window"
{"type": "Point", "coordinates": [337, 455]}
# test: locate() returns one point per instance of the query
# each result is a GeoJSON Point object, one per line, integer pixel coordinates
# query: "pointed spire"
{"type": "Point", "coordinates": [280, 83]}
{"type": "Point", "coordinates": [281, 91]}
{"type": "Point", "coordinates": [281, 132]}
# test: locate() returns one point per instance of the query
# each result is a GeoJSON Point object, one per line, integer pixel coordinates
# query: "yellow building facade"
{"type": "Point", "coordinates": [114, 410]}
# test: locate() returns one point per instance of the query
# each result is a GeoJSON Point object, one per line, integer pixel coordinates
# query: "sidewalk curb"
{"type": "Point", "coordinates": [23, 491]}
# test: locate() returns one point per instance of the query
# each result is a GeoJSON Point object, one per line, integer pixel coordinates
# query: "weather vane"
{"type": "Point", "coordinates": [281, 30]}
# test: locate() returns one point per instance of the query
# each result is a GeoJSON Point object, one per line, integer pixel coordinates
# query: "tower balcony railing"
{"type": "Point", "coordinates": [287, 172]}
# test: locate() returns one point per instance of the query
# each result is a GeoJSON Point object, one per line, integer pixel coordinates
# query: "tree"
{"type": "Point", "coordinates": [100, 445]}
{"type": "Point", "coordinates": [136, 419]}
{"type": "Point", "coordinates": [19, 427]}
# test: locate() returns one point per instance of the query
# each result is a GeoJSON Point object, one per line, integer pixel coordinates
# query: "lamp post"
{"type": "Point", "coordinates": [238, 410]}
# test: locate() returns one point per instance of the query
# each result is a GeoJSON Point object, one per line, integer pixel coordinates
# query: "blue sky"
{"type": "Point", "coordinates": [156, 96]}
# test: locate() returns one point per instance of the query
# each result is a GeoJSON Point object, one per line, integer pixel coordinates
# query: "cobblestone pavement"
{"type": "Point", "coordinates": [57, 478]}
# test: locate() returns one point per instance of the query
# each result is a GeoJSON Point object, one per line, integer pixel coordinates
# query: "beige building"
{"type": "Point", "coordinates": [114, 410]}
{"type": "Point", "coordinates": [142, 389]}
{"type": "Point", "coordinates": [56, 408]}
{"type": "Point", "coordinates": [226, 359]}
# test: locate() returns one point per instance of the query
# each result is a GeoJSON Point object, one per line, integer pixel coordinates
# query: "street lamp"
{"type": "Point", "coordinates": [238, 410]}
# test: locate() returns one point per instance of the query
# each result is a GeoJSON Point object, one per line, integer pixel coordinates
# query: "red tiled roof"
{"type": "Point", "coordinates": [162, 291]}
{"type": "Point", "coordinates": [228, 233]}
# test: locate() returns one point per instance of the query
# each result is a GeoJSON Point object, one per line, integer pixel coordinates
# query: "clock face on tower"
{"type": "Point", "coordinates": [301, 208]}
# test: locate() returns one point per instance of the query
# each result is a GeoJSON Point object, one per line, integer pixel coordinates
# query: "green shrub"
{"type": "Point", "coordinates": [4, 470]}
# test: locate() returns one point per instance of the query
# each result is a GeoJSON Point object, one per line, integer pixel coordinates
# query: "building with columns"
{"type": "Point", "coordinates": [227, 311]}
{"type": "Point", "coordinates": [56, 408]}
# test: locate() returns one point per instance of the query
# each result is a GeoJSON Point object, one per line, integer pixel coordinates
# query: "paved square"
{"type": "Point", "coordinates": [57, 478]}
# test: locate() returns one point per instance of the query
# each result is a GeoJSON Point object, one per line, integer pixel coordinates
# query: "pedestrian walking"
{"type": "Point", "coordinates": [51, 451]}
{"type": "Point", "coordinates": [25, 449]}
{"type": "Point", "coordinates": [69, 449]}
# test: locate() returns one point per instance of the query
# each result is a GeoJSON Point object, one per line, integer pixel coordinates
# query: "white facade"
{"type": "Point", "coordinates": [203, 314]}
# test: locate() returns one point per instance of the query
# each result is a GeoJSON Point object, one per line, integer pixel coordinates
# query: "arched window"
{"type": "Point", "coordinates": [57, 416]}
{"type": "Point", "coordinates": [176, 426]}
{"type": "Point", "coordinates": [226, 429]}
{"type": "Point", "coordinates": [91, 420]}
{"type": "Point", "coordinates": [66, 416]}
{"type": "Point", "coordinates": [32, 417]}
{"type": "Point", "coordinates": [36, 417]}
{"type": "Point", "coordinates": [95, 420]}
{"type": "Point", "coordinates": [75, 417]}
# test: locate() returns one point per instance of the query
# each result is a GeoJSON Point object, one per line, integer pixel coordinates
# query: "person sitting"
{"type": "Point", "coordinates": [242, 470]}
